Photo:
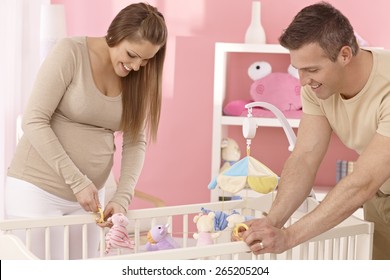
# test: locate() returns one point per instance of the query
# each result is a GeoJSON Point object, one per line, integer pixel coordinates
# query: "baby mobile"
{"type": "Point", "coordinates": [249, 173]}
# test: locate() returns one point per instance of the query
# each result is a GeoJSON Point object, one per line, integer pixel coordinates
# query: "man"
{"type": "Point", "coordinates": [345, 90]}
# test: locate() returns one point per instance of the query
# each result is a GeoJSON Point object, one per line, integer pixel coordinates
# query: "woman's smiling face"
{"type": "Point", "coordinates": [130, 56]}
{"type": "Point", "coordinates": [317, 71]}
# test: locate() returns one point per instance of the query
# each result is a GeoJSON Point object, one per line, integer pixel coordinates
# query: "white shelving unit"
{"type": "Point", "coordinates": [221, 122]}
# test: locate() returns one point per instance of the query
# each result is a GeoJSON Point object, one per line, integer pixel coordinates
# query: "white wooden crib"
{"type": "Point", "coordinates": [352, 239]}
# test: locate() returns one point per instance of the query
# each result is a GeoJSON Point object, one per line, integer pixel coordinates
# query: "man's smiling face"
{"type": "Point", "coordinates": [317, 71]}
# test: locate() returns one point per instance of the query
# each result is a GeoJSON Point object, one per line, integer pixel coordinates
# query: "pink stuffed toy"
{"type": "Point", "coordinates": [159, 239]}
{"type": "Point", "coordinates": [280, 89]}
{"type": "Point", "coordinates": [117, 236]}
{"type": "Point", "coordinates": [205, 225]}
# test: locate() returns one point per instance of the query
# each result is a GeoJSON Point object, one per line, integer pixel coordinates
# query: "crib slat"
{"type": "Point", "coordinates": [137, 239]}
{"type": "Point", "coordinates": [351, 248]}
{"type": "Point", "coordinates": [336, 255]}
{"type": "Point", "coordinates": [289, 254]}
{"type": "Point", "coordinates": [304, 251]}
{"type": "Point", "coordinates": [315, 250]}
{"type": "Point", "coordinates": [170, 222]}
{"type": "Point", "coordinates": [28, 238]}
{"type": "Point", "coordinates": [84, 238]}
{"type": "Point", "coordinates": [47, 244]}
{"type": "Point", "coordinates": [321, 250]}
{"type": "Point", "coordinates": [185, 230]}
{"type": "Point", "coordinates": [102, 242]}
{"type": "Point", "coordinates": [344, 251]}
{"type": "Point", "coordinates": [272, 256]}
{"type": "Point", "coordinates": [330, 249]}
{"type": "Point", "coordinates": [66, 242]}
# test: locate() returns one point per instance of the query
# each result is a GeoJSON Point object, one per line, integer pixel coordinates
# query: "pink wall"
{"type": "Point", "coordinates": [177, 167]}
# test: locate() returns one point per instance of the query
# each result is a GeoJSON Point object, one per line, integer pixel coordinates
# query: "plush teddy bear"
{"type": "Point", "coordinates": [230, 153]}
{"type": "Point", "coordinates": [205, 225]}
{"type": "Point", "coordinates": [280, 89]}
{"type": "Point", "coordinates": [234, 219]}
{"type": "Point", "coordinates": [159, 239]}
{"type": "Point", "coordinates": [117, 236]}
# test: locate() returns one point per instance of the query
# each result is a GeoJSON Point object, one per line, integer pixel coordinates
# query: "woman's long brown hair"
{"type": "Point", "coordinates": [142, 89]}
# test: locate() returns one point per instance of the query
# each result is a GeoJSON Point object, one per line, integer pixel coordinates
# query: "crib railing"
{"type": "Point", "coordinates": [28, 225]}
{"type": "Point", "coordinates": [352, 239]}
{"type": "Point", "coordinates": [136, 227]}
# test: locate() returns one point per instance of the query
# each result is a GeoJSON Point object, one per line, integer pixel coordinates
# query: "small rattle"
{"type": "Point", "coordinates": [100, 219]}
{"type": "Point", "coordinates": [236, 229]}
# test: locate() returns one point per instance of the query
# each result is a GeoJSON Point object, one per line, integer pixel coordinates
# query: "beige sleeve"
{"type": "Point", "coordinates": [52, 80]}
{"type": "Point", "coordinates": [384, 116]}
{"type": "Point", "coordinates": [133, 157]}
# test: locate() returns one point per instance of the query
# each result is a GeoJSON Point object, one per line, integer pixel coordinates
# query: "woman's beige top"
{"type": "Point", "coordinates": [69, 126]}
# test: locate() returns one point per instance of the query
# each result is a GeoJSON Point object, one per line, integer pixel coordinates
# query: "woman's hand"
{"type": "Point", "coordinates": [89, 198]}
{"type": "Point", "coordinates": [111, 209]}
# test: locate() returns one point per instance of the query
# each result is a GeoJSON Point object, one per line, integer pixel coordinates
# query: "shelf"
{"type": "Point", "coordinates": [250, 48]}
{"type": "Point", "coordinates": [221, 123]}
{"type": "Point", "coordinates": [265, 122]}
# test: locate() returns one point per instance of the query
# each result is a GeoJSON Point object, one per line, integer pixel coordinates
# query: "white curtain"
{"type": "Point", "coordinates": [19, 62]}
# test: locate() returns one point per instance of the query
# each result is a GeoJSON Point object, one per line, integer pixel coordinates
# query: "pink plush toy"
{"type": "Point", "coordinates": [280, 89]}
{"type": "Point", "coordinates": [205, 225]}
{"type": "Point", "coordinates": [159, 239]}
{"type": "Point", "coordinates": [117, 236]}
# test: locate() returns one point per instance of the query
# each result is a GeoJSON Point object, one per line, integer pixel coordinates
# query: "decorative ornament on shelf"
{"type": "Point", "coordinates": [255, 33]}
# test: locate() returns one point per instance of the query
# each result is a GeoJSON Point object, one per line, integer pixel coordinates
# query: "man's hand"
{"type": "Point", "coordinates": [262, 237]}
